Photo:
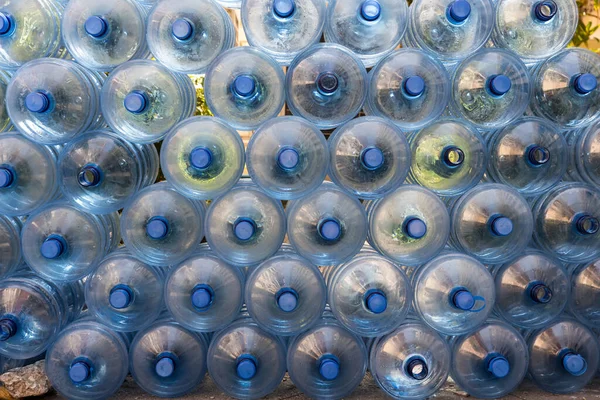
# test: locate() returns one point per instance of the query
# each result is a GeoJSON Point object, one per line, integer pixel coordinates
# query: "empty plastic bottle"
{"type": "Point", "coordinates": [491, 222]}
{"type": "Point", "coordinates": [10, 245]}
{"type": "Point", "coordinates": [286, 294]}
{"type": "Point", "coordinates": [449, 157]}
{"type": "Point", "coordinates": [5, 123]}
{"type": "Point", "coordinates": [328, 226]}
{"type": "Point", "coordinates": [565, 88]}
{"type": "Point", "coordinates": [186, 36]}
{"type": "Point", "coordinates": [87, 361]}
{"type": "Point", "coordinates": [491, 362]}
{"type": "Point", "coordinates": [534, 29]}
{"type": "Point", "coordinates": [411, 362]}
{"type": "Point", "coordinates": [411, 225]}
{"type": "Point", "coordinates": [327, 85]}
{"type": "Point", "coordinates": [287, 157]}
{"type": "Point", "coordinates": [283, 28]}
{"type": "Point", "coordinates": [27, 175]}
{"type": "Point", "coordinates": [327, 361]}
{"type": "Point", "coordinates": [162, 227]}
{"type": "Point", "coordinates": [202, 157]}
{"type": "Point", "coordinates": [410, 87]}
{"type": "Point", "coordinates": [567, 222]}
{"type": "Point", "coordinates": [531, 290]}
{"type": "Point", "coordinates": [245, 226]}
{"type": "Point", "coordinates": [369, 295]}
{"type": "Point", "coordinates": [490, 88]}
{"type": "Point", "coordinates": [99, 172]}
{"type": "Point", "coordinates": [33, 311]}
{"type": "Point", "coordinates": [530, 155]}
{"type": "Point", "coordinates": [62, 243]}
{"type": "Point", "coordinates": [563, 356]}
{"type": "Point", "coordinates": [245, 361]}
{"type": "Point", "coordinates": [204, 293]}
{"type": "Point", "coordinates": [585, 288]}
{"type": "Point", "coordinates": [369, 157]}
{"type": "Point", "coordinates": [584, 154]}
{"type": "Point", "coordinates": [101, 35]}
{"type": "Point", "coordinates": [245, 87]}
{"type": "Point", "coordinates": [52, 101]}
{"type": "Point", "coordinates": [450, 29]}
{"type": "Point", "coordinates": [370, 28]}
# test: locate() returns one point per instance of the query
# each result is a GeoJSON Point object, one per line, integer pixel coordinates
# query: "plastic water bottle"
{"type": "Point", "coordinates": [162, 227]}
{"type": "Point", "coordinates": [283, 28]}
{"type": "Point", "coordinates": [5, 123]}
{"type": "Point", "coordinates": [410, 225]}
{"type": "Point", "coordinates": [288, 157]}
{"type": "Point", "coordinates": [327, 361]}
{"type": "Point", "coordinates": [450, 29]}
{"type": "Point", "coordinates": [27, 175]}
{"type": "Point", "coordinates": [584, 154]}
{"type": "Point", "coordinates": [328, 226]}
{"type": "Point", "coordinates": [491, 222]}
{"type": "Point", "coordinates": [530, 155]}
{"type": "Point", "coordinates": [142, 100]}
{"type": "Point", "coordinates": [245, 87]}
{"type": "Point", "coordinates": [369, 295]}
{"type": "Point", "coordinates": [490, 88]}
{"type": "Point", "coordinates": [286, 294]}
{"type": "Point", "coordinates": [531, 290]}
{"type": "Point", "coordinates": [204, 293]}
{"type": "Point", "coordinates": [87, 361]}
{"type": "Point", "coordinates": [186, 36]}
{"type": "Point", "coordinates": [584, 293]}
{"type": "Point", "coordinates": [327, 85]}
{"type": "Point", "coordinates": [496, 367]}
{"type": "Point", "coordinates": [99, 172]}
{"type": "Point", "coordinates": [10, 250]}
{"type": "Point", "coordinates": [33, 311]}
{"type": "Point", "coordinates": [245, 361]}
{"type": "Point", "coordinates": [370, 157]}
{"type": "Point", "coordinates": [449, 157]}
{"type": "Point", "coordinates": [168, 360]}
{"type": "Point", "coordinates": [29, 29]}
{"type": "Point", "coordinates": [410, 87]}
{"type": "Point", "coordinates": [565, 88]}
{"type": "Point", "coordinates": [102, 35]}
{"type": "Point", "coordinates": [563, 356]}
{"type": "Point", "coordinates": [245, 226]}
{"type": "Point", "coordinates": [230, 3]}
{"type": "Point", "coordinates": [534, 29]}
{"type": "Point", "coordinates": [202, 157]}
{"type": "Point", "coordinates": [567, 222]}
{"type": "Point", "coordinates": [62, 243]}
{"type": "Point", "coordinates": [411, 362]}
{"type": "Point", "coordinates": [52, 101]}
{"type": "Point", "coordinates": [369, 28]}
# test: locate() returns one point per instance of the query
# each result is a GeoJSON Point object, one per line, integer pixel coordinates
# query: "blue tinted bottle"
{"type": "Point", "coordinates": [585, 289]}
{"type": "Point", "coordinates": [584, 156]}
{"type": "Point", "coordinates": [10, 252]}
{"type": "Point", "coordinates": [5, 122]}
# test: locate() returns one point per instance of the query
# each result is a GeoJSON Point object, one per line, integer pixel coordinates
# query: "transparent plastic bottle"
{"type": "Point", "coordinates": [410, 225]}
{"type": "Point", "coordinates": [10, 249]}
{"type": "Point", "coordinates": [410, 87]}
{"type": "Point", "coordinates": [99, 172]}
{"type": "Point", "coordinates": [102, 35]}
{"type": "Point", "coordinates": [449, 157]}
{"type": "Point", "coordinates": [563, 356]}
{"type": "Point", "coordinates": [491, 222]}
{"type": "Point", "coordinates": [5, 122]}
{"type": "Point", "coordinates": [565, 88]}
{"type": "Point", "coordinates": [202, 157]}
{"type": "Point", "coordinates": [187, 35]}
{"type": "Point", "coordinates": [585, 289]}
{"type": "Point", "coordinates": [245, 87]}
{"type": "Point", "coordinates": [567, 222]}
{"type": "Point", "coordinates": [584, 154]}
{"type": "Point", "coordinates": [490, 89]}
{"type": "Point", "coordinates": [496, 367]}
{"type": "Point", "coordinates": [162, 227]}
{"type": "Point", "coordinates": [283, 28]}
{"type": "Point", "coordinates": [327, 85]}
{"type": "Point", "coordinates": [529, 154]}
{"type": "Point", "coordinates": [53, 101]}
{"type": "Point", "coordinates": [287, 157]}
{"type": "Point", "coordinates": [370, 157]}
{"type": "Point", "coordinates": [230, 3]}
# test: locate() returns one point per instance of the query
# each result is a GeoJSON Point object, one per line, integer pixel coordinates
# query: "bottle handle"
{"type": "Point", "coordinates": [480, 299]}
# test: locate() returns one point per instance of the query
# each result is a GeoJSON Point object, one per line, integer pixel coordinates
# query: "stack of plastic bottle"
{"type": "Point", "coordinates": [427, 205]}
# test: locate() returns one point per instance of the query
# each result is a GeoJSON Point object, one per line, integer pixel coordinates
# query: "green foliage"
{"type": "Point", "coordinates": [584, 32]}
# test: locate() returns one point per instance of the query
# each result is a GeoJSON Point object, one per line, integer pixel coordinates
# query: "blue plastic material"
{"type": "Point", "coordinates": [288, 158]}
{"type": "Point", "coordinates": [376, 302]}
{"type": "Point", "coordinates": [202, 296]}
{"type": "Point", "coordinates": [7, 24]}
{"type": "Point", "coordinates": [120, 297]}
{"type": "Point", "coordinates": [415, 228]}
{"type": "Point", "coordinates": [501, 226]}
{"type": "Point", "coordinates": [574, 364]}
{"type": "Point", "coordinates": [330, 229]}
{"type": "Point", "coordinates": [182, 29]}
{"type": "Point", "coordinates": [165, 366]}
{"type": "Point", "coordinates": [201, 157]}
{"type": "Point", "coordinates": [545, 10]}
{"type": "Point", "coordinates": [37, 102]}
{"type": "Point", "coordinates": [414, 86]}
{"type": "Point", "coordinates": [96, 26]}
{"type": "Point", "coordinates": [327, 83]}
{"type": "Point", "coordinates": [463, 300]}
{"type": "Point", "coordinates": [329, 368]}
{"type": "Point", "coordinates": [136, 102]}
{"type": "Point", "coordinates": [8, 329]}
{"type": "Point", "coordinates": [459, 11]}
{"type": "Point", "coordinates": [53, 247]}
{"type": "Point", "coordinates": [79, 372]}
{"type": "Point", "coordinates": [372, 158]}
{"type": "Point", "coordinates": [284, 8]}
{"type": "Point", "coordinates": [157, 228]}
{"type": "Point", "coordinates": [244, 229]}
{"type": "Point", "coordinates": [499, 366]}
{"type": "Point", "coordinates": [244, 86]}
{"type": "Point", "coordinates": [7, 177]}
{"type": "Point", "coordinates": [499, 85]}
{"type": "Point", "coordinates": [585, 83]}
{"type": "Point", "coordinates": [287, 300]}
{"type": "Point", "coordinates": [246, 367]}
{"type": "Point", "coordinates": [370, 10]}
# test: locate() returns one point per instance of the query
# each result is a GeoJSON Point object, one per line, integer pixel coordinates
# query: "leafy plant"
{"type": "Point", "coordinates": [584, 32]}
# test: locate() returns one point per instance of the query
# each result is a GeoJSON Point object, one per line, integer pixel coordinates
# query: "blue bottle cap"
{"type": "Point", "coordinates": [157, 228]}
{"type": "Point", "coordinates": [327, 83]}
{"type": "Point", "coordinates": [287, 299]}
{"type": "Point", "coordinates": [499, 366]}
{"type": "Point", "coordinates": [417, 369]}
{"type": "Point", "coordinates": [79, 371]}
{"type": "Point", "coordinates": [288, 158]}
{"type": "Point", "coordinates": [37, 102]}
{"type": "Point", "coordinates": [201, 158]}
{"type": "Point", "coordinates": [120, 297]}
{"type": "Point", "coordinates": [501, 225]}
{"type": "Point", "coordinates": [246, 367]}
{"type": "Point", "coordinates": [182, 29]}
{"type": "Point", "coordinates": [370, 10]}
{"type": "Point", "coordinates": [499, 85]}
{"type": "Point", "coordinates": [463, 300]}
{"type": "Point", "coordinates": [89, 176]}
{"type": "Point", "coordinates": [7, 23]}
{"type": "Point", "coordinates": [585, 83]}
{"type": "Point", "coordinates": [540, 293]}
{"type": "Point", "coordinates": [244, 86]}
{"type": "Point", "coordinates": [459, 11]}
{"type": "Point", "coordinates": [538, 155]}
{"type": "Point", "coordinates": [330, 229]}
{"type": "Point", "coordinates": [165, 366]}
{"type": "Point", "coordinates": [244, 229]}
{"type": "Point", "coordinates": [202, 296]}
{"type": "Point", "coordinates": [414, 86]}
{"type": "Point", "coordinates": [545, 10]}
{"type": "Point", "coordinates": [8, 329]}
{"type": "Point", "coordinates": [329, 368]}
{"type": "Point", "coordinates": [53, 247]}
{"type": "Point", "coordinates": [372, 158]}
{"type": "Point", "coordinates": [587, 225]}
{"type": "Point", "coordinates": [574, 364]}
{"type": "Point", "coordinates": [136, 102]}
{"type": "Point", "coordinates": [96, 26]}
{"type": "Point", "coordinates": [453, 156]}
{"type": "Point", "coordinates": [7, 177]}
{"type": "Point", "coordinates": [415, 228]}
{"type": "Point", "coordinates": [376, 302]}
{"type": "Point", "coordinates": [284, 8]}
